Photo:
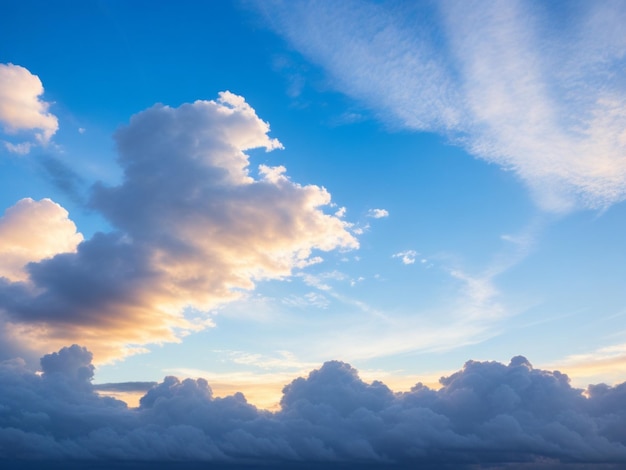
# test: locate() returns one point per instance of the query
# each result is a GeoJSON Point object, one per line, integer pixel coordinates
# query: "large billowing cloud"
{"type": "Point", "coordinates": [193, 227]}
{"type": "Point", "coordinates": [535, 89]}
{"type": "Point", "coordinates": [21, 109]}
{"type": "Point", "coordinates": [485, 413]}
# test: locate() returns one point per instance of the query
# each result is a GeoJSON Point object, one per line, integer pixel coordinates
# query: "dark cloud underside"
{"type": "Point", "coordinates": [486, 413]}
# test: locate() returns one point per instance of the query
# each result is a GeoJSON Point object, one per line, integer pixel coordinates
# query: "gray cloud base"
{"type": "Point", "coordinates": [487, 412]}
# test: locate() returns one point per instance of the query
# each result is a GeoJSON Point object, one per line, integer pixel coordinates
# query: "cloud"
{"type": "Point", "coordinates": [486, 413]}
{"type": "Point", "coordinates": [526, 87]}
{"type": "Point", "coordinates": [607, 361]}
{"type": "Point", "coordinates": [341, 212]}
{"type": "Point", "coordinates": [63, 177]}
{"type": "Point", "coordinates": [125, 387]}
{"type": "Point", "coordinates": [21, 149]}
{"type": "Point", "coordinates": [377, 213]}
{"type": "Point", "coordinates": [21, 109]}
{"type": "Point", "coordinates": [407, 256]}
{"type": "Point", "coordinates": [192, 229]}
{"type": "Point", "coordinates": [31, 231]}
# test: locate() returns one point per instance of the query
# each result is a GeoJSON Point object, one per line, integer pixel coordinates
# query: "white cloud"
{"type": "Point", "coordinates": [407, 256]}
{"type": "Point", "coordinates": [479, 297]}
{"type": "Point", "coordinates": [21, 108]}
{"type": "Point", "coordinates": [192, 229]}
{"type": "Point", "coordinates": [535, 91]}
{"type": "Point", "coordinates": [341, 212]}
{"type": "Point", "coordinates": [21, 149]}
{"type": "Point", "coordinates": [31, 231]}
{"type": "Point", "coordinates": [377, 213]}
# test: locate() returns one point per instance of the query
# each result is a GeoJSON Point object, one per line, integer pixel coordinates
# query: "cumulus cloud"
{"type": "Point", "coordinates": [31, 231]}
{"type": "Point", "coordinates": [487, 412]}
{"type": "Point", "coordinates": [192, 228]}
{"type": "Point", "coordinates": [22, 110]}
{"type": "Point", "coordinates": [529, 88]}
{"type": "Point", "coordinates": [377, 213]}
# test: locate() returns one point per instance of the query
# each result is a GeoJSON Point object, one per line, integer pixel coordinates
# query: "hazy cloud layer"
{"type": "Point", "coordinates": [193, 227]}
{"type": "Point", "coordinates": [536, 89]}
{"type": "Point", "coordinates": [486, 412]}
{"type": "Point", "coordinates": [21, 108]}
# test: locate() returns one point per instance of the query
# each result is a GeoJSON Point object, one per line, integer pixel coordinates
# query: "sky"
{"type": "Point", "coordinates": [282, 216]}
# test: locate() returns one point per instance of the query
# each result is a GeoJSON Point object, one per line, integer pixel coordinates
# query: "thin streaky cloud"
{"type": "Point", "coordinates": [606, 363]}
{"type": "Point", "coordinates": [497, 79]}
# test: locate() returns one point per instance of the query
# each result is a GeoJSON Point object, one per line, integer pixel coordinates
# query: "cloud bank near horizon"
{"type": "Point", "coordinates": [193, 228]}
{"type": "Point", "coordinates": [485, 412]}
{"type": "Point", "coordinates": [521, 84]}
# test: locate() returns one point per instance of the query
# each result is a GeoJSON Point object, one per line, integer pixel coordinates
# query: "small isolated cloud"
{"type": "Point", "coordinates": [407, 257]}
{"type": "Point", "coordinates": [377, 213]}
{"type": "Point", "coordinates": [22, 110]}
{"type": "Point", "coordinates": [487, 412]}
{"type": "Point", "coordinates": [341, 212]}
{"type": "Point", "coordinates": [192, 228]}
{"type": "Point", "coordinates": [354, 282]}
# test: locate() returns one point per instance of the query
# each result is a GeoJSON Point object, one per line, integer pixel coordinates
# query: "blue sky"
{"type": "Point", "coordinates": [540, 277]}
{"type": "Point", "coordinates": [243, 191]}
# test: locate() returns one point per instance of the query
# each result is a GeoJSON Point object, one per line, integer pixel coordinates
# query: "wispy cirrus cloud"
{"type": "Point", "coordinates": [501, 80]}
{"type": "Point", "coordinates": [608, 362]}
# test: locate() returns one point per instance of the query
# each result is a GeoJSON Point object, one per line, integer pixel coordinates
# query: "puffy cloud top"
{"type": "Point", "coordinates": [31, 231]}
{"type": "Point", "coordinates": [486, 412]}
{"type": "Point", "coordinates": [192, 228]}
{"type": "Point", "coordinates": [73, 364]}
{"type": "Point", "coordinates": [21, 109]}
